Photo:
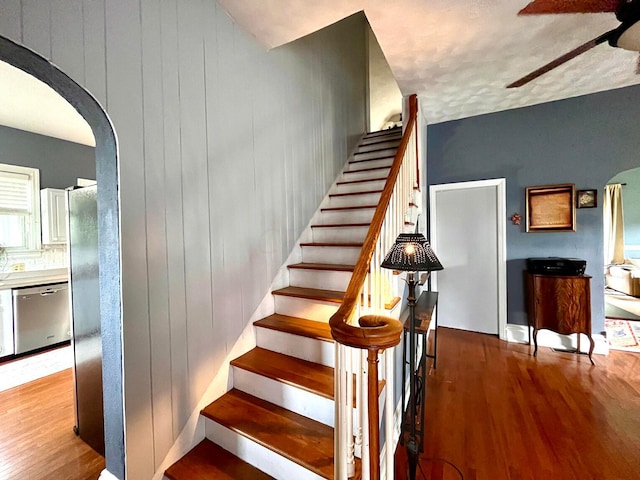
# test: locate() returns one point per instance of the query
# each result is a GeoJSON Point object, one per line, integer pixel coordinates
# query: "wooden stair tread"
{"type": "Point", "coordinates": [384, 139]}
{"type": "Point", "coordinates": [322, 266]}
{"type": "Point", "coordinates": [311, 293]}
{"type": "Point", "coordinates": [348, 182]}
{"type": "Point", "coordinates": [332, 296]}
{"type": "Point", "coordinates": [338, 225]}
{"type": "Point", "coordinates": [298, 438]}
{"type": "Point", "coordinates": [371, 169]}
{"type": "Point", "coordinates": [381, 157]}
{"type": "Point", "coordinates": [331, 244]}
{"type": "Point", "coordinates": [208, 461]}
{"type": "Point", "coordinates": [350, 194]}
{"type": "Point", "coordinates": [296, 326]}
{"type": "Point", "coordinates": [382, 133]}
{"type": "Point", "coordinates": [339, 209]}
{"type": "Point", "coordinates": [309, 376]}
{"type": "Point", "coordinates": [376, 143]}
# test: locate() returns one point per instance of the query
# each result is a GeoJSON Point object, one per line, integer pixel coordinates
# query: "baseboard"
{"type": "Point", "coordinates": [105, 475]}
{"type": "Point", "coordinates": [547, 338]}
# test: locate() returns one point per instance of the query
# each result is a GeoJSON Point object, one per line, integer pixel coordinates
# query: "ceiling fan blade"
{"type": "Point", "coordinates": [539, 7]}
{"type": "Point", "coordinates": [560, 60]}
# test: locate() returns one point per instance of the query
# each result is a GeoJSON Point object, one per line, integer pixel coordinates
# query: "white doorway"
{"type": "Point", "coordinates": [467, 230]}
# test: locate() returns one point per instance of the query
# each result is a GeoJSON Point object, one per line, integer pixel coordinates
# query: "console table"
{"type": "Point", "coordinates": [425, 311]}
{"type": "Point", "coordinates": [561, 304]}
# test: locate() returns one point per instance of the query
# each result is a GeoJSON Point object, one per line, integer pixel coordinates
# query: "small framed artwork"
{"type": "Point", "coordinates": [551, 208]}
{"type": "Point", "coordinates": [587, 199]}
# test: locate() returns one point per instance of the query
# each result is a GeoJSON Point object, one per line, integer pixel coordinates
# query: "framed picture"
{"type": "Point", "coordinates": [551, 208]}
{"type": "Point", "coordinates": [587, 199]}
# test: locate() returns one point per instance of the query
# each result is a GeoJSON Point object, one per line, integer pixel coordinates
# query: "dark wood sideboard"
{"type": "Point", "coordinates": [561, 304]}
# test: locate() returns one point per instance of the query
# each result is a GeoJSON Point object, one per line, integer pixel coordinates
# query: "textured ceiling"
{"type": "Point", "coordinates": [459, 55]}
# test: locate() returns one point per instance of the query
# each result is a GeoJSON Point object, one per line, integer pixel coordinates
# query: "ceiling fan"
{"type": "Point", "coordinates": [626, 35]}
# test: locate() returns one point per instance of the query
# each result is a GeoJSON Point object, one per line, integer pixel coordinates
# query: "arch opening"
{"type": "Point", "coordinates": [106, 151]}
{"type": "Point", "coordinates": [621, 228]}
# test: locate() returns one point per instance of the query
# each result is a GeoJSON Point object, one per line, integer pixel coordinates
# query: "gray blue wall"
{"type": "Point", "coordinates": [584, 140]}
{"type": "Point", "coordinates": [60, 162]}
{"type": "Point", "coordinates": [631, 210]}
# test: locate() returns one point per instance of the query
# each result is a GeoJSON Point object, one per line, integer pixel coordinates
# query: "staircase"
{"type": "Point", "coordinates": [279, 416]}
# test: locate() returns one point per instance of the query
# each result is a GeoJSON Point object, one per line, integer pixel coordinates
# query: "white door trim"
{"type": "Point", "coordinates": [501, 212]}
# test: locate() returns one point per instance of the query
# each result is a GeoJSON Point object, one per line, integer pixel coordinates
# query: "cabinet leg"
{"type": "Point", "coordinates": [592, 343]}
{"type": "Point", "coordinates": [535, 342]}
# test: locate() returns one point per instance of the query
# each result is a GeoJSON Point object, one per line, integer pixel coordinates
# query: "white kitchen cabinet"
{"type": "Point", "coordinates": [53, 210]}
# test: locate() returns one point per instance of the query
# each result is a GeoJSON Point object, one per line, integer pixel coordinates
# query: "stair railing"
{"type": "Point", "coordinates": [367, 299]}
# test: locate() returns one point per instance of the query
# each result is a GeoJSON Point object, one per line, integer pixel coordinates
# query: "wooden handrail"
{"type": "Point", "coordinates": [370, 336]}
{"type": "Point", "coordinates": [375, 332]}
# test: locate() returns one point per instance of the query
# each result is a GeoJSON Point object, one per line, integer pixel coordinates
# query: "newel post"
{"type": "Point", "coordinates": [374, 414]}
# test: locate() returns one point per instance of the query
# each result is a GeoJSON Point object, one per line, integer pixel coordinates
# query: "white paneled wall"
{"type": "Point", "coordinates": [225, 152]}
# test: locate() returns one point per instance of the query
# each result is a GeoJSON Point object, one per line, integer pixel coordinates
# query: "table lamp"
{"type": "Point", "coordinates": [411, 253]}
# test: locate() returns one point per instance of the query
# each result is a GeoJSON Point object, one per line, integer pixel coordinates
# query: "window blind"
{"type": "Point", "coordinates": [15, 192]}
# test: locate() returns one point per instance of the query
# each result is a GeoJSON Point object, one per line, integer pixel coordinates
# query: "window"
{"type": "Point", "coordinates": [19, 207]}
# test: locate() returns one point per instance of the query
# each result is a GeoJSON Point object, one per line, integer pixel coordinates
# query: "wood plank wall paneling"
{"type": "Point", "coordinates": [225, 152]}
{"type": "Point", "coordinates": [67, 38]}
{"type": "Point", "coordinates": [154, 171]}
{"type": "Point", "coordinates": [36, 19]}
{"type": "Point", "coordinates": [125, 107]}
{"type": "Point", "coordinates": [95, 75]}
{"type": "Point", "coordinates": [174, 225]}
{"type": "Point", "coordinates": [195, 194]}
{"type": "Point", "coordinates": [11, 20]}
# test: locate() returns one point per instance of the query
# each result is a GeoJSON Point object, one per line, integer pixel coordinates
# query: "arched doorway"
{"type": "Point", "coordinates": [109, 237]}
{"type": "Point", "coordinates": [622, 264]}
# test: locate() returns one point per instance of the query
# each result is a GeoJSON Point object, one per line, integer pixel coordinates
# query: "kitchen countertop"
{"type": "Point", "coordinates": [32, 278]}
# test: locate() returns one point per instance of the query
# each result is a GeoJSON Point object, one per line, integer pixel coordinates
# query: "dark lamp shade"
{"type": "Point", "coordinates": [411, 253]}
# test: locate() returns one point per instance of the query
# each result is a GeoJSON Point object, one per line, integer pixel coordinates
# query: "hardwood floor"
{"type": "Point", "coordinates": [36, 433]}
{"type": "Point", "coordinates": [495, 412]}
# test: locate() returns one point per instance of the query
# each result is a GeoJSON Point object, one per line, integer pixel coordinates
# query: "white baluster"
{"type": "Point", "coordinates": [359, 413]}
{"type": "Point", "coordinates": [366, 473]}
{"type": "Point", "coordinates": [348, 418]}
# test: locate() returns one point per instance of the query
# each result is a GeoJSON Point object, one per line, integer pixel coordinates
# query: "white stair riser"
{"type": "Point", "coordinates": [378, 138]}
{"type": "Point", "coordinates": [354, 200]}
{"type": "Point", "coordinates": [365, 175]}
{"type": "Point", "coordinates": [297, 400]}
{"type": "Point", "coordinates": [380, 162]}
{"type": "Point", "coordinates": [331, 217]}
{"type": "Point", "coordinates": [387, 152]}
{"type": "Point", "coordinates": [304, 348]}
{"type": "Point", "coordinates": [339, 234]}
{"type": "Point", "coordinates": [305, 308]}
{"type": "Point", "coordinates": [252, 452]}
{"type": "Point", "coordinates": [378, 145]}
{"type": "Point", "coordinates": [360, 187]}
{"type": "Point", "coordinates": [322, 279]}
{"type": "Point", "coordinates": [332, 255]}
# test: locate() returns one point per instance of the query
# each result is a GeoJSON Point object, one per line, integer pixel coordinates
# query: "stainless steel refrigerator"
{"type": "Point", "coordinates": [85, 315]}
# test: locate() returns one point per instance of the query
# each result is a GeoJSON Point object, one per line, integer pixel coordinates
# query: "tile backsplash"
{"type": "Point", "coordinates": [48, 257]}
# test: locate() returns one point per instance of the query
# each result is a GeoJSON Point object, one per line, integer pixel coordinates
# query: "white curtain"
{"type": "Point", "coordinates": [613, 225]}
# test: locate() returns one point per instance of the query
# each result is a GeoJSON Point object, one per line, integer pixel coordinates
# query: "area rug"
{"type": "Point", "coordinates": [623, 334]}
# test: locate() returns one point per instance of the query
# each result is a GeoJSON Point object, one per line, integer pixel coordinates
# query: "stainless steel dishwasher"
{"type": "Point", "coordinates": [40, 316]}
